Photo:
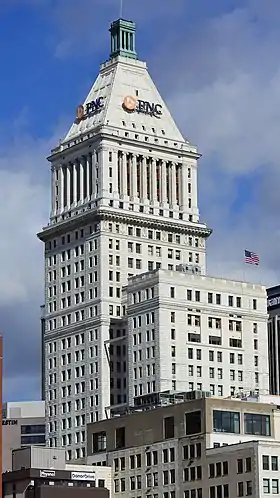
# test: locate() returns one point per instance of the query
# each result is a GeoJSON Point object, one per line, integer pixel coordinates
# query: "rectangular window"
{"type": "Point", "coordinates": [193, 422]}
{"type": "Point", "coordinates": [120, 437]}
{"type": "Point", "coordinates": [224, 421]}
{"type": "Point", "coordinates": [248, 464]}
{"type": "Point", "coordinates": [265, 462]}
{"type": "Point", "coordinates": [257, 424]}
{"type": "Point", "coordinates": [275, 486]}
{"type": "Point", "coordinates": [274, 463]}
{"type": "Point", "coordinates": [266, 486]}
{"type": "Point", "coordinates": [98, 442]}
{"type": "Point", "coordinates": [169, 427]}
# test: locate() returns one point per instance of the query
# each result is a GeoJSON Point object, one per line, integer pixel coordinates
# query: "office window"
{"type": "Point", "coordinates": [120, 437]}
{"type": "Point", "coordinates": [275, 486]}
{"type": "Point", "coordinates": [265, 462]}
{"type": "Point", "coordinates": [240, 466]}
{"type": "Point", "coordinates": [193, 422]}
{"type": "Point", "coordinates": [248, 464]}
{"type": "Point", "coordinates": [99, 442]}
{"type": "Point", "coordinates": [274, 463]}
{"type": "Point", "coordinates": [226, 421]}
{"type": "Point", "coordinates": [225, 468]}
{"type": "Point", "coordinates": [240, 489]}
{"type": "Point", "coordinates": [257, 424]}
{"type": "Point", "coordinates": [249, 488]}
{"type": "Point", "coordinates": [168, 427]}
{"type": "Point", "coordinates": [266, 486]}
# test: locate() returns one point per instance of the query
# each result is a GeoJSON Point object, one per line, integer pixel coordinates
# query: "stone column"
{"type": "Point", "coordinates": [82, 192]}
{"type": "Point", "coordinates": [75, 174]}
{"type": "Point", "coordinates": [114, 165]}
{"type": "Point", "coordinates": [133, 173]}
{"type": "Point", "coordinates": [68, 184]}
{"type": "Point", "coordinates": [154, 181]}
{"type": "Point", "coordinates": [124, 175]}
{"type": "Point", "coordinates": [143, 178]}
{"type": "Point", "coordinates": [173, 184]}
{"type": "Point", "coordinates": [163, 183]}
{"type": "Point", "coordinates": [61, 181]}
{"type": "Point", "coordinates": [53, 189]}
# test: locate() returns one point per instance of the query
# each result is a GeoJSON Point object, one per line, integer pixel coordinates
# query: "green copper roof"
{"type": "Point", "coordinates": [123, 39]}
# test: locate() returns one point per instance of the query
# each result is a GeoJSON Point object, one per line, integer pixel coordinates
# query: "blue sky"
{"type": "Point", "coordinates": [217, 66]}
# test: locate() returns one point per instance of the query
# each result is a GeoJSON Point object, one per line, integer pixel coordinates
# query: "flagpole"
{"type": "Point", "coordinates": [244, 272]}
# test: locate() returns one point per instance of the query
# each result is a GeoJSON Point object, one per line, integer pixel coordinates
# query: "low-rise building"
{"type": "Point", "coordinates": [43, 473]}
{"type": "Point", "coordinates": [166, 452]}
{"type": "Point", "coordinates": [23, 424]}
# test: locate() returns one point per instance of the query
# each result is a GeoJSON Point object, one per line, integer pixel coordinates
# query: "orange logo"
{"type": "Point", "coordinates": [129, 103]}
{"type": "Point", "coordinates": [80, 112]}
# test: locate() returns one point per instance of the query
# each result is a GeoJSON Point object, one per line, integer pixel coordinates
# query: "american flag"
{"type": "Point", "coordinates": [251, 258]}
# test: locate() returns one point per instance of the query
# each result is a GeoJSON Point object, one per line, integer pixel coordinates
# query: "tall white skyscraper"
{"type": "Point", "coordinates": [124, 202]}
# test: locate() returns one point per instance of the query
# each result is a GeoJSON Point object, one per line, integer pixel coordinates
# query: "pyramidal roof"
{"type": "Point", "coordinates": [124, 94]}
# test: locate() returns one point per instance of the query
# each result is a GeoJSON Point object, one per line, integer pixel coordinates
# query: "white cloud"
{"type": "Point", "coordinates": [25, 206]}
{"type": "Point", "coordinates": [225, 92]}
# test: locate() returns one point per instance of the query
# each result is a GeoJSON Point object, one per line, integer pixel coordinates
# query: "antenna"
{"type": "Point", "coordinates": [121, 9]}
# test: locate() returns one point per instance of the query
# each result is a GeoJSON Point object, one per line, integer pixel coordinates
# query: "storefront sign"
{"type": "Point", "coordinates": [130, 104]}
{"type": "Point", "coordinates": [89, 109]}
{"type": "Point", "coordinates": [83, 476]}
{"type": "Point", "coordinates": [47, 473]}
{"type": "Point", "coordinates": [9, 422]}
{"type": "Point", "coordinates": [274, 301]}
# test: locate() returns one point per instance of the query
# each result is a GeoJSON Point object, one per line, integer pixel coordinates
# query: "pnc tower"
{"type": "Point", "coordinates": [124, 202]}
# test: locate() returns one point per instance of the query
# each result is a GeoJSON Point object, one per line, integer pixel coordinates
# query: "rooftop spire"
{"type": "Point", "coordinates": [123, 39]}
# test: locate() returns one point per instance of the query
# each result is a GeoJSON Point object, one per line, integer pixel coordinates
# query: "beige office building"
{"type": "Point", "coordinates": [23, 425]}
{"type": "Point", "coordinates": [202, 448]}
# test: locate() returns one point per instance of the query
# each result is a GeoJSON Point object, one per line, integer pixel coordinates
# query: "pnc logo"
{"type": "Point", "coordinates": [90, 108]}
{"type": "Point", "coordinates": [131, 104]}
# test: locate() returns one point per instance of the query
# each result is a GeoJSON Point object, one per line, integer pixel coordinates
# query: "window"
{"type": "Point", "coordinates": [99, 441]}
{"type": "Point", "coordinates": [248, 464]}
{"type": "Point", "coordinates": [168, 427]}
{"type": "Point", "coordinates": [240, 466]}
{"type": "Point", "coordinates": [266, 486]}
{"type": "Point", "coordinates": [226, 421]}
{"type": "Point", "coordinates": [257, 424]}
{"type": "Point", "coordinates": [225, 468]}
{"type": "Point", "coordinates": [172, 291]}
{"type": "Point", "coordinates": [275, 486]}
{"type": "Point", "coordinates": [211, 470]}
{"type": "Point", "coordinates": [193, 422]}
{"type": "Point", "coordinates": [240, 489]}
{"type": "Point", "coordinates": [265, 462]}
{"type": "Point", "coordinates": [249, 488]}
{"type": "Point", "coordinates": [120, 437]}
{"type": "Point", "coordinates": [274, 463]}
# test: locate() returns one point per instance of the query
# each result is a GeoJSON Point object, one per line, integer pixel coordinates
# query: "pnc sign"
{"type": "Point", "coordinates": [83, 112]}
{"type": "Point", "coordinates": [130, 104]}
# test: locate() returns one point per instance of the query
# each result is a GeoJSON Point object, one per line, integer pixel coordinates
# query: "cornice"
{"type": "Point", "coordinates": [107, 133]}
{"type": "Point", "coordinates": [139, 219]}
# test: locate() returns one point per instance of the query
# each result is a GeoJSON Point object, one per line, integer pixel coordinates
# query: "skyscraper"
{"type": "Point", "coordinates": [124, 202]}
